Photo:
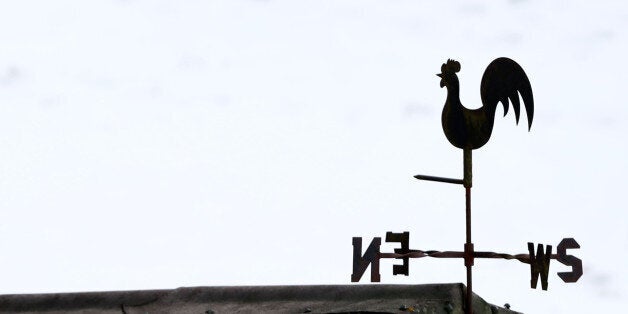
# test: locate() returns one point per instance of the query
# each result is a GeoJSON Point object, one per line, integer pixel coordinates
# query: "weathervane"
{"type": "Point", "coordinates": [468, 129]}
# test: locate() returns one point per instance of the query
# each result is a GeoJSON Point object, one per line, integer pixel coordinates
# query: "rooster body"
{"type": "Point", "coordinates": [503, 80]}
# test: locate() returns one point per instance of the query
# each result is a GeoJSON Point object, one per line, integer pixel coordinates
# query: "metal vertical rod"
{"type": "Point", "coordinates": [468, 247]}
{"type": "Point", "coordinates": [469, 255]}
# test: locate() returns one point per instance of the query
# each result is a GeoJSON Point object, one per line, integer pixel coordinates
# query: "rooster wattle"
{"type": "Point", "coordinates": [503, 79]}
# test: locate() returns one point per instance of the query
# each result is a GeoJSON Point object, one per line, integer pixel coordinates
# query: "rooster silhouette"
{"type": "Point", "coordinates": [503, 79]}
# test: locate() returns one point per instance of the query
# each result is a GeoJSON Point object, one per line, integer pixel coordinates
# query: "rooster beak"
{"type": "Point", "coordinates": [439, 75]}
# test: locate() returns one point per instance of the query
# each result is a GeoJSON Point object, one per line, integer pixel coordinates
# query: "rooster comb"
{"type": "Point", "coordinates": [452, 66]}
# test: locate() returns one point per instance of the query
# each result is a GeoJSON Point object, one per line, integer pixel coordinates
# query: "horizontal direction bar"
{"type": "Point", "coordinates": [419, 254]}
{"type": "Point", "coordinates": [439, 179]}
{"type": "Point", "coordinates": [524, 258]}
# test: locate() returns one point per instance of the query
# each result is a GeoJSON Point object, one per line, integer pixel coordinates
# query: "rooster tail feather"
{"type": "Point", "coordinates": [515, 105]}
{"type": "Point", "coordinates": [505, 104]}
{"type": "Point", "coordinates": [503, 81]}
{"type": "Point", "coordinates": [528, 100]}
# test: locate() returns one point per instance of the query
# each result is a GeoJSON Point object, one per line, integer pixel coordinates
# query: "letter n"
{"type": "Point", "coordinates": [361, 262]}
{"type": "Point", "coordinates": [539, 264]}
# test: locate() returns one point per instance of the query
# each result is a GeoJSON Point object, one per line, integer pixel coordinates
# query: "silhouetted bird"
{"type": "Point", "coordinates": [472, 128]}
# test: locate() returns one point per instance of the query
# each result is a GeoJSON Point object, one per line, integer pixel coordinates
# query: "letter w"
{"type": "Point", "coordinates": [539, 264]}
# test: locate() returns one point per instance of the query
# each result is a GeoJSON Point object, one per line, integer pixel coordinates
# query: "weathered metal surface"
{"type": "Point", "coordinates": [433, 298]}
{"type": "Point", "coordinates": [524, 258]}
{"type": "Point", "coordinates": [370, 257]}
{"type": "Point", "coordinates": [539, 264]}
{"type": "Point", "coordinates": [468, 129]}
{"type": "Point", "coordinates": [539, 261]}
{"type": "Point", "coordinates": [468, 246]}
{"type": "Point", "coordinates": [467, 168]}
{"type": "Point", "coordinates": [439, 179]}
{"type": "Point", "coordinates": [503, 79]}
{"type": "Point", "coordinates": [404, 240]}
{"type": "Point", "coordinates": [569, 260]}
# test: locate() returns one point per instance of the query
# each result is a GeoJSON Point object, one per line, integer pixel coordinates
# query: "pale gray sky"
{"type": "Point", "coordinates": [158, 144]}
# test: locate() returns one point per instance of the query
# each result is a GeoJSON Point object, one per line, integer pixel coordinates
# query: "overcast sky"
{"type": "Point", "coordinates": [159, 144]}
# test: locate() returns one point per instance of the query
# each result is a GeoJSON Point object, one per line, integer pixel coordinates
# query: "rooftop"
{"type": "Point", "coordinates": [377, 298]}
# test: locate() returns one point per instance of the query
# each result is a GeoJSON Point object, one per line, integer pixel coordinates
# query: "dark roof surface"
{"type": "Point", "coordinates": [432, 298]}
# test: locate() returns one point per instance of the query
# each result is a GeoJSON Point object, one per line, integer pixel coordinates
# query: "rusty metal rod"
{"type": "Point", "coordinates": [468, 246]}
{"type": "Point", "coordinates": [523, 257]}
{"type": "Point", "coordinates": [438, 179]}
{"type": "Point", "coordinates": [468, 253]}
